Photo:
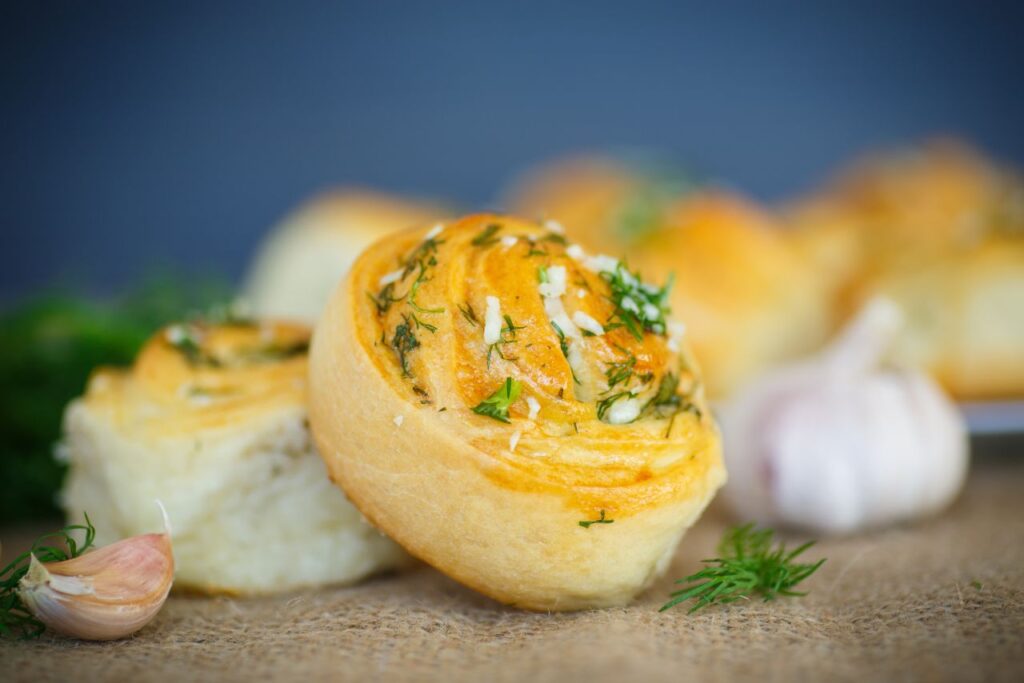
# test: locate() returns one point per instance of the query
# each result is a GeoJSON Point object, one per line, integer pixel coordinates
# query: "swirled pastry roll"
{"type": "Point", "coordinates": [302, 260]}
{"type": "Point", "coordinates": [749, 299]}
{"type": "Point", "coordinates": [211, 420]}
{"type": "Point", "coordinates": [940, 231]}
{"type": "Point", "coordinates": [517, 413]}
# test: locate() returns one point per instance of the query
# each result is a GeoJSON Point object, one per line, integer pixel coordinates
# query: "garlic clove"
{"type": "Point", "coordinates": [105, 594]}
{"type": "Point", "coordinates": [844, 441]}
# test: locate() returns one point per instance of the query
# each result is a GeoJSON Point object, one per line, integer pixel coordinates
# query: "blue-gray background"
{"type": "Point", "coordinates": [137, 134]}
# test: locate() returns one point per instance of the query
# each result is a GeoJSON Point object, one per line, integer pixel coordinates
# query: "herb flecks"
{"type": "Point", "coordinates": [586, 524]}
{"type": "Point", "coordinates": [747, 565]}
{"type": "Point", "coordinates": [403, 342]}
{"type": "Point", "coordinates": [414, 290]}
{"type": "Point", "coordinates": [486, 237]}
{"type": "Point", "coordinates": [668, 402]}
{"type": "Point", "coordinates": [620, 372]}
{"type": "Point", "coordinates": [187, 339]}
{"type": "Point", "coordinates": [639, 307]}
{"type": "Point", "coordinates": [384, 298]}
{"type": "Point", "coordinates": [508, 336]}
{"type": "Point", "coordinates": [15, 620]}
{"type": "Point", "coordinates": [563, 343]}
{"type": "Point", "coordinates": [469, 314]}
{"type": "Point", "coordinates": [419, 261]}
{"type": "Point", "coordinates": [496, 405]}
{"type": "Point", "coordinates": [605, 404]}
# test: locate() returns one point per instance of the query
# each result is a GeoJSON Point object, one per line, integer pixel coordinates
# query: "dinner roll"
{"type": "Point", "coordinates": [517, 413]}
{"type": "Point", "coordinates": [940, 231]}
{"type": "Point", "coordinates": [749, 299]}
{"type": "Point", "coordinates": [211, 420]}
{"type": "Point", "coordinates": [300, 262]}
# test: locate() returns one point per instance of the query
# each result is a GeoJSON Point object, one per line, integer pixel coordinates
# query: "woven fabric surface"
{"type": "Point", "coordinates": [937, 600]}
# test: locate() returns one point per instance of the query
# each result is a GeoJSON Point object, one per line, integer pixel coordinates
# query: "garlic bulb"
{"type": "Point", "coordinates": [104, 594]}
{"type": "Point", "coordinates": [841, 442]}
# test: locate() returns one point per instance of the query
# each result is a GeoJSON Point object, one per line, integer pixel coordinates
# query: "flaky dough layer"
{"type": "Point", "coordinates": [400, 359]}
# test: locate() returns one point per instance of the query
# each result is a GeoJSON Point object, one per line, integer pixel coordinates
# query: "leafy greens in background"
{"type": "Point", "coordinates": [48, 347]}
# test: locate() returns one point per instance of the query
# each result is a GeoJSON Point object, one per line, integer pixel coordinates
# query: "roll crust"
{"type": "Point", "coordinates": [402, 357]}
{"type": "Point", "coordinates": [940, 230]}
{"type": "Point", "coordinates": [750, 300]}
{"type": "Point", "coordinates": [301, 261]}
{"type": "Point", "coordinates": [212, 421]}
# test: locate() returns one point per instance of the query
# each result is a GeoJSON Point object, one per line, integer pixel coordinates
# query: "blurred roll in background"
{"type": "Point", "coordinates": [787, 166]}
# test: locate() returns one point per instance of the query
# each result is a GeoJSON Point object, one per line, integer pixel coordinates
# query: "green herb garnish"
{"type": "Point", "coordinates": [564, 344]}
{"type": "Point", "coordinates": [507, 336]}
{"type": "Point", "coordinates": [186, 338]}
{"type": "Point", "coordinates": [620, 372]}
{"type": "Point", "coordinates": [419, 323]}
{"type": "Point", "coordinates": [403, 342]}
{"type": "Point", "coordinates": [486, 236]}
{"type": "Point", "coordinates": [639, 307]}
{"type": "Point", "coordinates": [600, 520]}
{"type": "Point", "coordinates": [469, 314]}
{"type": "Point", "coordinates": [605, 404]}
{"type": "Point", "coordinates": [383, 299]}
{"type": "Point", "coordinates": [15, 619]}
{"type": "Point", "coordinates": [644, 210]}
{"type": "Point", "coordinates": [497, 404]}
{"type": "Point", "coordinates": [420, 279]}
{"type": "Point", "coordinates": [422, 257]}
{"type": "Point", "coordinates": [747, 565]}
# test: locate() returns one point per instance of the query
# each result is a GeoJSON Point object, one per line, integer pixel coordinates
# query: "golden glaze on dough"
{"type": "Point", "coordinates": [749, 299]}
{"type": "Point", "coordinates": [940, 230]}
{"type": "Point", "coordinates": [204, 376]}
{"type": "Point", "coordinates": [379, 420]}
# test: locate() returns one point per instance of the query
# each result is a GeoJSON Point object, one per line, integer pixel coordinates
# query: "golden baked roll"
{"type": "Point", "coordinates": [301, 260]}
{"type": "Point", "coordinates": [749, 299]}
{"type": "Point", "coordinates": [211, 420]}
{"type": "Point", "coordinates": [940, 231]}
{"type": "Point", "coordinates": [518, 414]}
{"type": "Point", "coordinates": [608, 204]}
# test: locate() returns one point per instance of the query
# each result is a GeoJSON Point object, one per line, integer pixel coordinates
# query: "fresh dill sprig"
{"type": "Point", "coordinates": [620, 372]}
{"type": "Point", "coordinates": [420, 279]}
{"type": "Point", "coordinates": [15, 619]}
{"type": "Point", "coordinates": [563, 343]}
{"type": "Point", "coordinates": [667, 401]}
{"type": "Point", "coordinates": [639, 307]}
{"type": "Point", "coordinates": [403, 342]}
{"type": "Point", "coordinates": [605, 404]}
{"type": "Point", "coordinates": [507, 336]}
{"type": "Point", "coordinates": [424, 256]}
{"type": "Point", "coordinates": [600, 520]}
{"type": "Point", "coordinates": [419, 323]}
{"type": "Point", "coordinates": [747, 565]}
{"type": "Point", "coordinates": [497, 404]}
{"type": "Point", "coordinates": [538, 246]}
{"type": "Point", "coordinates": [469, 314]}
{"type": "Point", "coordinates": [383, 299]}
{"type": "Point", "coordinates": [486, 236]}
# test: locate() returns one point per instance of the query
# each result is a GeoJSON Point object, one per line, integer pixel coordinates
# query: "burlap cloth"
{"type": "Point", "coordinates": [942, 599]}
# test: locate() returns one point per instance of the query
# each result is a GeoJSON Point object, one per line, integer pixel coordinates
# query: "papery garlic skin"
{"type": "Point", "coordinates": [105, 594]}
{"type": "Point", "coordinates": [839, 443]}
